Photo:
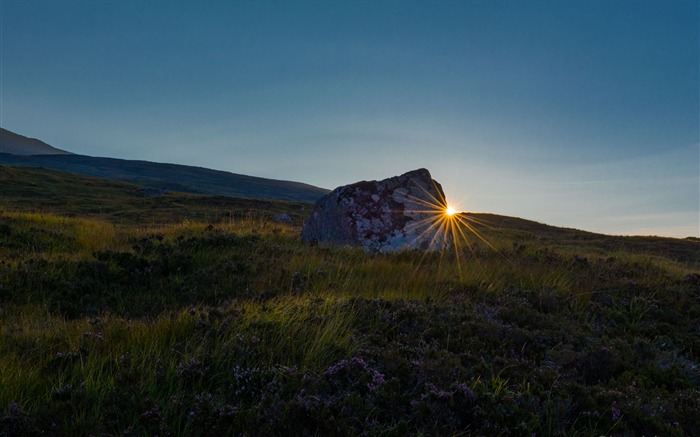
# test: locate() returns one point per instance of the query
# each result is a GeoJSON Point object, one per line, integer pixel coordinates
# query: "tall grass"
{"type": "Point", "coordinates": [190, 326]}
{"type": "Point", "coordinates": [49, 235]}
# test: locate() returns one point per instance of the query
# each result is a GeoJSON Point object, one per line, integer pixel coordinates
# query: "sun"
{"type": "Point", "coordinates": [451, 228]}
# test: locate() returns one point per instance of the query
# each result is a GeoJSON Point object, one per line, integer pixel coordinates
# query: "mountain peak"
{"type": "Point", "coordinates": [17, 144]}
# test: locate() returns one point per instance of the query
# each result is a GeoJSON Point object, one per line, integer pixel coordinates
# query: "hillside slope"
{"type": "Point", "coordinates": [16, 144]}
{"type": "Point", "coordinates": [114, 322]}
{"type": "Point", "coordinates": [73, 195]}
{"type": "Point", "coordinates": [17, 150]}
{"type": "Point", "coordinates": [527, 235]}
{"type": "Point", "coordinates": [174, 177]}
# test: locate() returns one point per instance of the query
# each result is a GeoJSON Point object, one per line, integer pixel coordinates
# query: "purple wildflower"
{"type": "Point", "coordinates": [616, 414]}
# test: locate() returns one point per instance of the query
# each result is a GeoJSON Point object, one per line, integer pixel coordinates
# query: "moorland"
{"type": "Point", "coordinates": [183, 314]}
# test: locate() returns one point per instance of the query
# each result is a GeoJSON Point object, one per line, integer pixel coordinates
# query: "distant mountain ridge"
{"type": "Point", "coordinates": [17, 144]}
{"type": "Point", "coordinates": [174, 177]}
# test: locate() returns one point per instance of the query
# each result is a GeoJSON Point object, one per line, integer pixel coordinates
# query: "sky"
{"type": "Point", "coordinates": [582, 114]}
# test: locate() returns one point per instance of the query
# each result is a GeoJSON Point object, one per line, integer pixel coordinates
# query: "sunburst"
{"type": "Point", "coordinates": [451, 229]}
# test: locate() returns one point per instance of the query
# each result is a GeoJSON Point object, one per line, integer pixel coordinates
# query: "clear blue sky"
{"type": "Point", "coordinates": [573, 113]}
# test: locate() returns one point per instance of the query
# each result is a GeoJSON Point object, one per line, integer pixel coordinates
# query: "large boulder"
{"type": "Point", "coordinates": [399, 213]}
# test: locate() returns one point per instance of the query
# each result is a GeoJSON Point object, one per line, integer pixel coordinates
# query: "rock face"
{"type": "Point", "coordinates": [391, 215]}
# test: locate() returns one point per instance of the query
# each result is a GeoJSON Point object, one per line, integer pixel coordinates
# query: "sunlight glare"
{"type": "Point", "coordinates": [451, 228]}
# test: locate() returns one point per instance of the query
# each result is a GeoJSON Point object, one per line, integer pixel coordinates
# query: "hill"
{"type": "Point", "coordinates": [16, 144]}
{"type": "Point", "coordinates": [73, 195]}
{"type": "Point", "coordinates": [182, 314]}
{"type": "Point", "coordinates": [174, 177]}
{"type": "Point", "coordinates": [527, 234]}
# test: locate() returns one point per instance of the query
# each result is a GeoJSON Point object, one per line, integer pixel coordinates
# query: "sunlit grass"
{"type": "Point", "coordinates": [108, 320]}
{"type": "Point", "coordinates": [72, 237]}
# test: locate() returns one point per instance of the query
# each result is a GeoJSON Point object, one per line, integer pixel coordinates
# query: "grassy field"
{"type": "Point", "coordinates": [186, 315]}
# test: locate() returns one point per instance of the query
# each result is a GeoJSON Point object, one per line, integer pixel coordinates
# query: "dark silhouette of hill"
{"type": "Point", "coordinates": [16, 144]}
{"type": "Point", "coordinates": [173, 177]}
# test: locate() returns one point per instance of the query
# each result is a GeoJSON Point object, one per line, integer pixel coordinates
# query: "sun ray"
{"type": "Point", "coordinates": [449, 230]}
{"type": "Point", "coordinates": [430, 205]}
{"type": "Point", "coordinates": [437, 223]}
{"type": "Point", "coordinates": [455, 245]}
{"type": "Point", "coordinates": [439, 202]}
{"type": "Point", "coordinates": [478, 221]}
{"type": "Point", "coordinates": [442, 199]}
{"type": "Point", "coordinates": [475, 232]}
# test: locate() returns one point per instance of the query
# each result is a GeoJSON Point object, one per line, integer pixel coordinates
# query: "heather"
{"type": "Point", "coordinates": [221, 322]}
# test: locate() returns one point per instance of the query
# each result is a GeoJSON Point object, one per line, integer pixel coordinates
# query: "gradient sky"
{"type": "Point", "coordinates": [572, 113]}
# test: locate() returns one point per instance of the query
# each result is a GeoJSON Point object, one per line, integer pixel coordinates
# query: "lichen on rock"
{"type": "Point", "coordinates": [380, 216]}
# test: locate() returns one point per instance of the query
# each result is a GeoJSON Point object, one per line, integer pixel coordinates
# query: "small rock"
{"type": "Point", "coordinates": [282, 218]}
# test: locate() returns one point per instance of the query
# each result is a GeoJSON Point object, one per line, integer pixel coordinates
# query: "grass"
{"type": "Point", "coordinates": [202, 325]}
{"type": "Point", "coordinates": [53, 192]}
